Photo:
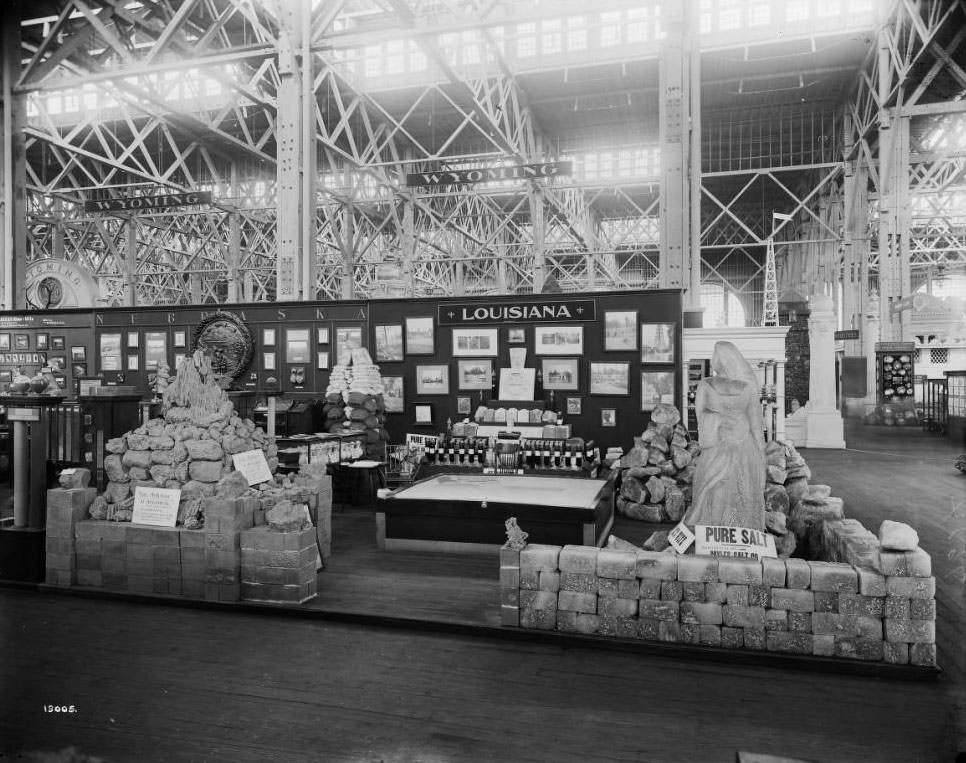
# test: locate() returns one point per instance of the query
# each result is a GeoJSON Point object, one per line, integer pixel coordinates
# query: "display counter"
{"type": "Point", "coordinates": [467, 512]}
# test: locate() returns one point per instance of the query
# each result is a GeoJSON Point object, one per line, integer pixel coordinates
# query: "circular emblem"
{"type": "Point", "coordinates": [51, 283]}
{"type": "Point", "coordinates": [50, 291]}
{"type": "Point", "coordinates": [227, 341]}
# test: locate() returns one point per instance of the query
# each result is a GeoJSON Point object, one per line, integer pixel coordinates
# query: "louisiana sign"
{"type": "Point", "coordinates": [138, 203]}
{"type": "Point", "coordinates": [488, 174]}
{"type": "Point", "coordinates": [517, 312]}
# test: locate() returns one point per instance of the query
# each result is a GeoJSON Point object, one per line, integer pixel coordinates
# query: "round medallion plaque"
{"type": "Point", "coordinates": [225, 338]}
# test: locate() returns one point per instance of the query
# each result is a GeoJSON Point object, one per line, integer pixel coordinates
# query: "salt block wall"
{"type": "Point", "coordinates": [826, 609]}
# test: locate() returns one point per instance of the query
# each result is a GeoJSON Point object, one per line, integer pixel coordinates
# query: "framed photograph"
{"type": "Point", "coordinates": [155, 349]}
{"type": "Point", "coordinates": [389, 344]}
{"type": "Point", "coordinates": [347, 339]}
{"type": "Point", "coordinates": [424, 413]}
{"type": "Point", "coordinates": [297, 346]}
{"type": "Point", "coordinates": [268, 361]}
{"type": "Point", "coordinates": [473, 342]}
{"type": "Point", "coordinates": [110, 352]}
{"type": "Point", "coordinates": [58, 361]}
{"type": "Point", "coordinates": [6, 376]}
{"type": "Point", "coordinates": [657, 343]}
{"type": "Point", "coordinates": [574, 406]}
{"type": "Point", "coordinates": [180, 339]}
{"type": "Point", "coordinates": [393, 397]}
{"type": "Point", "coordinates": [608, 417]}
{"type": "Point", "coordinates": [43, 341]}
{"type": "Point", "coordinates": [620, 330]}
{"type": "Point", "coordinates": [4, 341]}
{"type": "Point", "coordinates": [133, 363]}
{"type": "Point", "coordinates": [656, 387]}
{"type": "Point", "coordinates": [21, 341]}
{"type": "Point", "coordinates": [463, 406]}
{"type": "Point", "coordinates": [268, 337]}
{"type": "Point", "coordinates": [475, 374]}
{"type": "Point", "coordinates": [516, 336]}
{"type": "Point", "coordinates": [296, 376]}
{"type": "Point", "coordinates": [58, 343]}
{"type": "Point", "coordinates": [420, 336]}
{"type": "Point", "coordinates": [323, 336]}
{"type": "Point", "coordinates": [322, 359]}
{"type": "Point", "coordinates": [79, 352]}
{"type": "Point", "coordinates": [178, 360]}
{"type": "Point", "coordinates": [78, 369]}
{"type": "Point", "coordinates": [561, 373]}
{"type": "Point", "coordinates": [133, 339]}
{"type": "Point", "coordinates": [558, 340]}
{"type": "Point", "coordinates": [610, 378]}
{"type": "Point", "coordinates": [432, 380]}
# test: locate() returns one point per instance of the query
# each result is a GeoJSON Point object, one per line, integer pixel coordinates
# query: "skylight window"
{"type": "Point", "coordinates": [526, 40]}
{"type": "Point", "coordinates": [552, 39]}
{"type": "Point", "coordinates": [577, 33]}
{"type": "Point", "coordinates": [610, 29]}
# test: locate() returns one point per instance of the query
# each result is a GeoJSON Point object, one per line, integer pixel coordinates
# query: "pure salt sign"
{"type": "Point", "coordinates": [734, 542]}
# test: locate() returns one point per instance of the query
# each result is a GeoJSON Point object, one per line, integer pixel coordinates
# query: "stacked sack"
{"type": "Point", "coordinates": [366, 409]}
{"type": "Point", "coordinates": [335, 399]}
{"type": "Point", "coordinates": [656, 474]}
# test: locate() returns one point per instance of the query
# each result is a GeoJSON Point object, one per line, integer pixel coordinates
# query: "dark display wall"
{"type": "Point", "coordinates": [593, 360]}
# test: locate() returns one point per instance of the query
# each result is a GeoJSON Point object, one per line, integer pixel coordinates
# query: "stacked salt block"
{"type": "Point", "coordinates": [278, 566]}
{"type": "Point", "coordinates": [66, 507]}
{"type": "Point", "coordinates": [225, 520]}
{"type": "Point", "coordinates": [781, 605]}
{"type": "Point", "coordinates": [102, 554]}
{"type": "Point", "coordinates": [153, 559]}
{"type": "Point", "coordinates": [656, 473]}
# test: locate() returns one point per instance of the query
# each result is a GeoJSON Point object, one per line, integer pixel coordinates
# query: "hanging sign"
{"type": "Point", "coordinates": [681, 538]}
{"type": "Point", "coordinates": [159, 201]}
{"type": "Point", "coordinates": [557, 311]}
{"type": "Point", "coordinates": [846, 334]}
{"type": "Point", "coordinates": [488, 174]}
{"type": "Point", "coordinates": [734, 542]}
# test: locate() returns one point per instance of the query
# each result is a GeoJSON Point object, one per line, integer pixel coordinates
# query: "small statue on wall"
{"type": "Point", "coordinates": [729, 477]}
{"type": "Point", "coordinates": [516, 539]}
{"type": "Point", "coordinates": [162, 378]}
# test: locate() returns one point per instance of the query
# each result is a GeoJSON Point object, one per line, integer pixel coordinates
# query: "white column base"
{"type": "Point", "coordinates": [824, 429]}
{"type": "Point", "coordinates": [796, 428]}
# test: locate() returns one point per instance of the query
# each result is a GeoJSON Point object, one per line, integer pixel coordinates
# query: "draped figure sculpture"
{"type": "Point", "coordinates": [729, 477]}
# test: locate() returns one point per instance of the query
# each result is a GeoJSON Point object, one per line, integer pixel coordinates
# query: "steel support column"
{"type": "Point", "coordinates": [539, 225]}
{"type": "Point", "coordinates": [13, 232]}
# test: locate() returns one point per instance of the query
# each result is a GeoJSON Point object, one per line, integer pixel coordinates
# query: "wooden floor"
{"type": "Point", "coordinates": [154, 682]}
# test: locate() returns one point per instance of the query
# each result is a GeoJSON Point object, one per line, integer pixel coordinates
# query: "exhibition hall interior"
{"type": "Point", "coordinates": [458, 380]}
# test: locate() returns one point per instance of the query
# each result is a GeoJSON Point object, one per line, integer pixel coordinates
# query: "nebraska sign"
{"type": "Point", "coordinates": [488, 174]}
{"type": "Point", "coordinates": [160, 201]}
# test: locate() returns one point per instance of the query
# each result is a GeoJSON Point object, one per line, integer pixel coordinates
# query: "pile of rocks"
{"type": "Point", "coordinates": [656, 474]}
{"type": "Point", "coordinates": [786, 486]}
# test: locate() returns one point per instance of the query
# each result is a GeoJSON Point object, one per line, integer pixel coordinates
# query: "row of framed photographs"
{"type": "Point", "coordinates": [298, 345]}
{"type": "Point", "coordinates": [22, 342]}
{"type": "Point", "coordinates": [417, 337]}
{"type": "Point", "coordinates": [606, 379]}
{"type": "Point", "coordinates": [423, 412]}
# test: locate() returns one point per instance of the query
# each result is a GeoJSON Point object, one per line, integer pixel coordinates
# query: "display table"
{"type": "Point", "coordinates": [467, 512]}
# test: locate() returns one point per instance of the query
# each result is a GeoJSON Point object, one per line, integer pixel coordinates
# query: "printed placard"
{"type": "Point", "coordinates": [734, 542]}
{"type": "Point", "coordinates": [156, 506]}
{"type": "Point", "coordinates": [680, 538]}
{"type": "Point", "coordinates": [253, 466]}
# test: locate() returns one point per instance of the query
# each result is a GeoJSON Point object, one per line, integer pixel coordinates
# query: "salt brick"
{"type": "Point", "coordinates": [659, 610]}
{"type": "Point", "coordinates": [536, 557]}
{"type": "Point", "coordinates": [793, 599]}
{"type": "Point", "coordinates": [732, 638]}
{"type": "Point", "coordinates": [823, 646]}
{"type": "Point", "coordinates": [671, 590]}
{"type": "Point", "coordinates": [566, 621]}
{"type": "Point", "coordinates": [225, 560]}
{"type": "Point", "coordinates": [656, 565]}
{"type": "Point", "coordinates": [649, 589]}
{"type": "Point", "coordinates": [737, 595]}
{"type": "Point", "coordinates": [892, 563]}
{"type": "Point", "coordinates": [59, 577]}
{"type": "Point", "coordinates": [776, 620]}
{"type": "Point", "coordinates": [800, 622]}
{"type": "Point", "coordinates": [897, 607]}
{"type": "Point", "coordinates": [510, 577]}
{"type": "Point", "coordinates": [140, 583]}
{"type": "Point", "coordinates": [509, 597]}
{"type": "Point", "coordinates": [709, 635]}
{"type": "Point", "coordinates": [114, 581]}
{"type": "Point", "coordinates": [58, 529]}
{"type": "Point", "coordinates": [620, 608]}
{"type": "Point", "coordinates": [832, 624]}
{"type": "Point", "coordinates": [916, 563]}
{"type": "Point", "coordinates": [139, 552]}
{"type": "Point", "coordinates": [689, 633]}
{"type": "Point", "coordinates": [549, 581]}
{"type": "Point", "coordinates": [922, 609]}
{"type": "Point", "coordinates": [648, 628]}
{"type": "Point", "coordinates": [697, 569]}
{"type": "Point", "coordinates": [829, 576]}
{"type": "Point", "coordinates": [923, 654]}
{"type": "Point", "coordinates": [222, 577]}
{"type": "Point", "coordinates": [856, 604]}
{"type": "Point", "coordinates": [741, 571]}
{"type": "Point", "coordinates": [744, 617]}
{"type": "Point", "coordinates": [194, 589]}
{"type": "Point", "coordinates": [113, 565]}
{"type": "Point", "coordinates": [788, 641]}
{"type": "Point", "coordinates": [60, 561]}
{"type": "Point", "coordinates": [910, 631]}
{"type": "Point", "coordinates": [87, 562]}
{"type": "Point", "coordinates": [895, 653]}
{"type": "Point", "coordinates": [797, 573]}
{"type": "Point", "coordinates": [154, 536]}
{"type": "Point", "coordinates": [870, 627]}
{"type": "Point", "coordinates": [754, 638]}
{"type": "Point", "coordinates": [607, 588]}
{"type": "Point", "coordinates": [628, 589]}
{"type": "Point", "coordinates": [911, 588]}
{"type": "Point", "coordinates": [607, 626]}
{"type": "Point", "coordinates": [871, 582]}
{"type": "Point", "coordinates": [669, 631]}
{"type": "Point", "coordinates": [773, 573]}
{"type": "Point", "coordinates": [114, 531]}
{"type": "Point", "coordinates": [826, 601]}
{"type": "Point", "coordinates": [759, 596]}
{"type": "Point", "coordinates": [693, 591]}
{"type": "Point", "coordinates": [88, 530]}
{"type": "Point", "coordinates": [577, 602]}
{"type": "Point", "coordinates": [192, 556]}
{"type": "Point", "coordinates": [578, 582]}
{"type": "Point", "coordinates": [869, 649]}
{"type": "Point", "coordinates": [69, 546]}
{"type": "Point", "coordinates": [73, 502]}
{"type": "Point", "coordinates": [716, 592]}
{"type": "Point", "coordinates": [530, 580]}
{"type": "Point", "coordinates": [616, 564]}
{"type": "Point", "coordinates": [700, 612]}
{"type": "Point", "coordinates": [509, 557]}
{"type": "Point", "coordinates": [588, 624]}
{"type": "Point", "coordinates": [91, 578]}
{"type": "Point", "coordinates": [140, 567]}
{"type": "Point", "coordinates": [167, 554]}
{"type": "Point", "coordinates": [510, 616]}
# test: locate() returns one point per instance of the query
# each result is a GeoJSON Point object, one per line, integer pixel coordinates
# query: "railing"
{"type": "Point", "coordinates": [934, 394]}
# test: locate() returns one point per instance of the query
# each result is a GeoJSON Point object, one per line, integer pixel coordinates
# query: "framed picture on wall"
{"type": "Point", "coordinates": [132, 362]}
{"type": "Point", "coordinates": [389, 343]}
{"type": "Point", "coordinates": [268, 361]}
{"type": "Point", "coordinates": [394, 396]}
{"type": "Point", "coordinates": [610, 378]}
{"type": "Point", "coordinates": [21, 341]}
{"type": "Point", "coordinates": [558, 340]}
{"type": "Point", "coordinates": [4, 341]}
{"type": "Point", "coordinates": [58, 343]}
{"type": "Point", "coordinates": [155, 349]}
{"type": "Point", "coordinates": [58, 361]}
{"type": "Point", "coordinates": [43, 341]}
{"type": "Point", "coordinates": [110, 352]}
{"type": "Point", "coordinates": [657, 343]}
{"type": "Point", "coordinates": [608, 417]}
{"type": "Point", "coordinates": [347, 339]}
{"type": "Point", "coordinates": [463, 406]}
{"type": "Point", "coordinates": [133, 339]}
{"type": "Point", "coordinates": [178, 360]}
{"type": "Point", "coordinates": [78, 369]}
{"type": "Point", "coordinates": [561, 373]}
{"type": "Point", "coordinates": [323, 336]}
{"type": "Point", "coordinates": [516, 336]}
{"type": "Point", "coordinates": [474, 342]}
{"type": "Point", "coordinates": [6, 375]}
{"type": "Point", "coordinates": [475, 374]}
{"type": "Point", "coordinates": [432, 380]}
{"type": "Point", "coordinates": [297, 345]}
{"type": "Point", "coordinates": [322, 359]}
{"type": "Point", "coordinates": [620, 330]}
{"type": "Point", "coordinates": [179, 339]}
{"type": "Point", "coordinates": [423, 413]}
{"type": "Point", "coordinates": [420, 336]}
{"type": "Point", "coordinates": [656, 387]}
{"type": "Point", "coordinates": [574, 406]}
{"type": "Point", "coordinates": [268, 337]}
{"type": "Point", "coordinates": [79, 352]}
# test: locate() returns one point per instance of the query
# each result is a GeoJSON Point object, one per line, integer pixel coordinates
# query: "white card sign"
{"type": "Point", "coordinates": [253, 466]}
{"type": "Point", "coordinates": [517, 383]}
{"type": "Point", "coordinates": [156, 506]}
{"type": "Point", "coordinates": [680, 538]}
{"type": "Point", "coordinates": [734, 542]}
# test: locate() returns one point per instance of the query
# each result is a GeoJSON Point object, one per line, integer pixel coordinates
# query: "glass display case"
{"type": "Point", "coordinates": [956, 406]}
{"type": "Point", "coordinates": [896, 377]}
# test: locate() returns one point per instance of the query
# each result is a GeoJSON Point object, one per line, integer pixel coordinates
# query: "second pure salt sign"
{"type": "Point", "coordinates": [734, 542]}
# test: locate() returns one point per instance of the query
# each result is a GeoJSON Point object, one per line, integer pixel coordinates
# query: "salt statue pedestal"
{"type": "Point", "coordinates": [823, 422]}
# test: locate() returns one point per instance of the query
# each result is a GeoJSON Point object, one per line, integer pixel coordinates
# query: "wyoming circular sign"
{"type": "Point", "coordinates": [228, 342]}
